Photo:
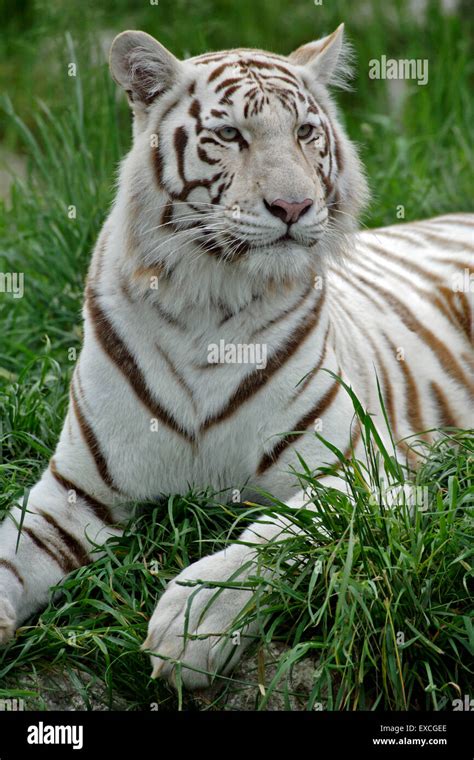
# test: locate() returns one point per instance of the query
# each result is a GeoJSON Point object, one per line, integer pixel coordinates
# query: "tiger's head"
{"type": "Point", "coordinates": [238, 156]}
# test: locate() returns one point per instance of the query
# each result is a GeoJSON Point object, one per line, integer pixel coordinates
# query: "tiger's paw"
{"type": "Point", "coordinates": [7, 621]}
{"type": "Point", "coordinates": [194, 627]}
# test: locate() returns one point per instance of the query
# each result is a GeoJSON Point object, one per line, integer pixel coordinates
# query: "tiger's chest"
{"type": "Point", "coordinates": [207, 404]}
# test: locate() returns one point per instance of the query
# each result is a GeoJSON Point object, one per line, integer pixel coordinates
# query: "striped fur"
{"type": "Point", "coordinates": [196, 252]}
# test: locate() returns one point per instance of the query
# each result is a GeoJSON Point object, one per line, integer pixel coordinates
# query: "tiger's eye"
{"type": "Point", "coordinates": [227, 133]}
{"type": "Point", "coordinates": [304, 131]}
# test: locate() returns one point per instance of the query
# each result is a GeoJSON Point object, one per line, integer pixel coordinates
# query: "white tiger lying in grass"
{"type": "Point", "coordinates": [234, 204]}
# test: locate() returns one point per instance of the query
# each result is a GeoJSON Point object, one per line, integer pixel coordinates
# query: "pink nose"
{"type": "Point", "coordinates": [289, 212]}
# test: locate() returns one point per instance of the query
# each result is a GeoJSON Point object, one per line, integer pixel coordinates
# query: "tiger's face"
{"type": "Point", "coordinates": [242, 149]}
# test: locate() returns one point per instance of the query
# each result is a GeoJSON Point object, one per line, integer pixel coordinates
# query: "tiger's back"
{"type": "Point", "coordinates": [403, 304]}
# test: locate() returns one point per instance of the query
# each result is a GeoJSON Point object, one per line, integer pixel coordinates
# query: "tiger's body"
{"type": "Point", "coordinates": [200, 251]}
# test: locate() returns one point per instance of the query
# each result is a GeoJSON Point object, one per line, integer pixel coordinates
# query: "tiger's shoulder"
{"type": "Point", "coordinates": [435, 250]}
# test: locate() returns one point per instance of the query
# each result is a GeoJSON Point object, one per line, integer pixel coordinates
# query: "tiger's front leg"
{"type": "Point", "coordinates": [60, 529]}
{"type": "Point", "coordinates": [196, 622]}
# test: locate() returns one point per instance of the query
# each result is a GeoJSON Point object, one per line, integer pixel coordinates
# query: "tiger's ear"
{"type": "Point", "coordinates": [143, 67]}
{"type": "Point", "coordinates": [327, 59]}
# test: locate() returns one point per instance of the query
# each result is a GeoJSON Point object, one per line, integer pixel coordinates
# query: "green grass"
{"type": "Point", "coordinates": [383, 571]}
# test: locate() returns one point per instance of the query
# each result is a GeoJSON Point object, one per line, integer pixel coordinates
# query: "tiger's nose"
{"type": "Point", "coordinates": [288, 212]}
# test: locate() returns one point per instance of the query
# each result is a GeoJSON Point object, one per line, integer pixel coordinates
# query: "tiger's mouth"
{"type": "Point", "coordinates": [230, 246]}
{"type": "Point", "coordinates": [286, 238]}
{"type": "Point", "coordinates": [289, 240]}
{"type": "Point", "coordinates": [284, 244]}
{"type": "Point", "coordinates": [228, 243]}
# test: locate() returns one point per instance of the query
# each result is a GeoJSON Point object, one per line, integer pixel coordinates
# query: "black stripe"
{"type": "Point", "coordinates": [92, 442]}
{"type": "Point", "coordinates": [100, 510]}
{"type": "Point", "coordinates": [74, 546]}
{"type": "Point", "coordinates": [316, 411]}
{"type": "Point", "coordinates": [445, 357]}
{"type": "Point", "coordinates": [11, 567]}
{"type": "Point", "coordinates": [61, 558]}
{"type": "Point", "coordinates": [118, 352]}
{"type": "Point", "coordinates": [257, 379]}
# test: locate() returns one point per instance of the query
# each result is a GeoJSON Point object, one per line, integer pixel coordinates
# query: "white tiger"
{"type": "Point", "coordinates": [234, 226]}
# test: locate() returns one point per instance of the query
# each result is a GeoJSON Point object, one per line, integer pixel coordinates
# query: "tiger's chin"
{"type": "Point", "coordinates": [283, 260]}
